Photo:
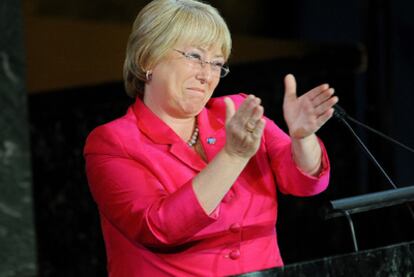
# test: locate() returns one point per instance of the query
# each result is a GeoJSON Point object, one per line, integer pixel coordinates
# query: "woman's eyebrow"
{"type": "Point", "coordinates": [204, 50]}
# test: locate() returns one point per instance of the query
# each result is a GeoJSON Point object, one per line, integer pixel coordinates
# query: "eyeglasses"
{"type": "Point", "coordinates": [216, 67]}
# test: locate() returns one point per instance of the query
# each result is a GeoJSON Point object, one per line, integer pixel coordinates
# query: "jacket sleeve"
{"type": "Point", "coordinates": [290, 178]}
{"type": "Point", "coordinates": [134, 201]}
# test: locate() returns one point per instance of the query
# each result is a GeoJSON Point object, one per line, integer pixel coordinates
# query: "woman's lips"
{"type": "Point", "coordinates": [197, 89]}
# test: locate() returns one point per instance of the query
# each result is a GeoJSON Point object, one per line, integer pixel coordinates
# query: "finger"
{"type": "Point", "coordinates": [315, 92]}
{"type": "Point", "coordinates": [244, 107]}
{"type": "Point", "coordinates": [328, 104]}
{"type": "Point", "coordinates": [246, 110]}
{"type": "Point", "coordinates": [258, 131]}
{"type": "Point", "coordinates": [230, 108]}
{"type": "Point", "coordinates": [325, 117]}
{"type": "Point", "coordinates": [322, 97]}
{"type": "Point", "coordinates": [256, 115]}
{"type": "Point", "coordinates": [251, 123]}
{"type": "Point", "coordinates": [290, 88]}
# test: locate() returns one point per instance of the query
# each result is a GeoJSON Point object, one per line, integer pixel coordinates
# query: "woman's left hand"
{"type": "Point", "coordinates": [304, 115]}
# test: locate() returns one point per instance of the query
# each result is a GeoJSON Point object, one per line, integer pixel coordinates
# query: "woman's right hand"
{"type": "Point", "coordinates": [244, 127]}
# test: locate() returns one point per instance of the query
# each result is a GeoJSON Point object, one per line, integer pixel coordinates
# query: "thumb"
{"type": "Point", "coordinates": [290, 87]}
{"type": "Point", "coordinates": [230, 108]}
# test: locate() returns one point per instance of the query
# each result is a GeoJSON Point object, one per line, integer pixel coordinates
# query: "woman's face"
{"type": "Point", "coordinates": [181, 86]}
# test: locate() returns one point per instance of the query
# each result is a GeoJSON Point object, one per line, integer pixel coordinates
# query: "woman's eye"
{"type": "Point", "coordinates": [194, 56]}
{"type": "Point", "coordinates": [218, 64]}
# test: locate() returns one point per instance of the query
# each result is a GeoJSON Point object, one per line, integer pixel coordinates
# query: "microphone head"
{"type": "Point", "coordinates": [339, 112]}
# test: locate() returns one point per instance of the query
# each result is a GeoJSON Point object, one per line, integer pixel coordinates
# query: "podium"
{"type": "Point", "coordinates": [393, 260]}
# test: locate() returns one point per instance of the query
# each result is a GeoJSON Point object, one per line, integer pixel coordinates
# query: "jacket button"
{"type": "Point", "coordinates": [234, 254]}
{"type": "Point", "coordinates": [235, 227]}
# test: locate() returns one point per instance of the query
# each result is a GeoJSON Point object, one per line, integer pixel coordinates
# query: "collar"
{"type": "Point", "coordinates": [160, 133]}
{"type": "Point", "coordinates": [152, 126]}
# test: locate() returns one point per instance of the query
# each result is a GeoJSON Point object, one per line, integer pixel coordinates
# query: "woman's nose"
{"type": "Point", "coordinates": [204, 73]}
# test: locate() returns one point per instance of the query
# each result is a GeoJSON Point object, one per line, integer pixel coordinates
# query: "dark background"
{"type": "Point", "coordinates": [362, 48]}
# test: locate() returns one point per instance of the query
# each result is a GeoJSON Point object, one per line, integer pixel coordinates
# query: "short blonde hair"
{"type": "Point", "coordinates": [159, 26]}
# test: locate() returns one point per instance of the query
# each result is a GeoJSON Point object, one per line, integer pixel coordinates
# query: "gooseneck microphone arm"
{"type": "Point", "coordinates": [341, 114]}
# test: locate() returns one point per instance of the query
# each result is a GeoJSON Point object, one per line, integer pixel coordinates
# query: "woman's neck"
{"type": "Point", "coordinates": [183, 127]}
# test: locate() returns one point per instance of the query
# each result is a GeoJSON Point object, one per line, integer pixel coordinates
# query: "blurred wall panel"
{"type": "Point", "coordinates": [17, 237]}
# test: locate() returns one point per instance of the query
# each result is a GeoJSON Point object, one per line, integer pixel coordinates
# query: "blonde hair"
{"type": "Point", "coordinates": [159, 26]}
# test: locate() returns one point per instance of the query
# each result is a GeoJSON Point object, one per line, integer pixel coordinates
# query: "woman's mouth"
{"type": "Point", "coordinates": [197, 89]}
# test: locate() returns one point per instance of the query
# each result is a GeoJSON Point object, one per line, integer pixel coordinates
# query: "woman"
{"type": "Point", "coordinates": [185, 184]}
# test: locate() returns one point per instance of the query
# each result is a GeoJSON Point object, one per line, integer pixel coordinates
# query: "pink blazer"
{"type": "Point", "coordinates": [140, 173]}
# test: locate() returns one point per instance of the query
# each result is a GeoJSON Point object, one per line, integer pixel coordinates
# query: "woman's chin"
{"type": "Point", "coordinates": [192, 110]}
{"type": "Point", "coordinates": [194, 106]}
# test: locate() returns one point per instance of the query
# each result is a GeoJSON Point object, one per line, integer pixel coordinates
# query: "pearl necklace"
{"type": "Point", "coordinates": [194, 137]}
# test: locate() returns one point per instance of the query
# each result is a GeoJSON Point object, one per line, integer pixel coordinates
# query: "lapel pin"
{"type": "Point", "coordinates": [211, 140]}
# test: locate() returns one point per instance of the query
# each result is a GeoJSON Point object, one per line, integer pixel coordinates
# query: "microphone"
{"type": "Point", "coordinates": [368, 201]}
{"type": "Point", "coordinates": [339, 112]}
{"type": "Point", "coordinates": [341, 115]}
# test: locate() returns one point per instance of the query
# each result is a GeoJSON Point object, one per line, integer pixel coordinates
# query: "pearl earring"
{"type": "Point", "coordinates": [148, 75]}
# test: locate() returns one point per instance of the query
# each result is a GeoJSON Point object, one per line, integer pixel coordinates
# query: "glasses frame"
{"type": "Point", "coordinates": [224, 69]}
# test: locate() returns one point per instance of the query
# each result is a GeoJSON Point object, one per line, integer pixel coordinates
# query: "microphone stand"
{"type": "Point", "coordinates": [341, 115]}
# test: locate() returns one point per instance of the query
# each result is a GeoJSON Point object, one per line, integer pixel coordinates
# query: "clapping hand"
{"type": "Point", "coordinates": [304, 115]}
{"type": "Point", "coordinates": [244, 127]}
